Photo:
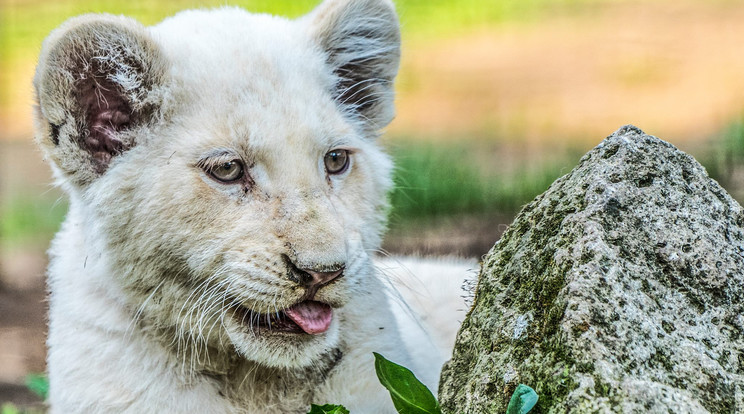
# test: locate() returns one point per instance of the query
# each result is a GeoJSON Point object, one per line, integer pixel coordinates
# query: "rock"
{"type": "Point", "coordinates": [620, 289]}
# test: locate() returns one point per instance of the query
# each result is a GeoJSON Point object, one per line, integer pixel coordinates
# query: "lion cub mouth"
{"type": "Point", "coordinates": [308, 317]}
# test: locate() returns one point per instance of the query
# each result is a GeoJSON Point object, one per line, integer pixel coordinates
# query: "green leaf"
{"type": "Point", "coordinates": [38, 384]}
{"type": "Point", "coordinates": [409, 395]}
{"type": "Point", "coordinates": [522, 401]}
{"type": "Point", "coordinates": [8, 408]}
{"type": "Point", "coordinates": [328, 409]}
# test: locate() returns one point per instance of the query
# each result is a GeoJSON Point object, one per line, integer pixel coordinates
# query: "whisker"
{"type": "Point", "coordinates": [130, 328]}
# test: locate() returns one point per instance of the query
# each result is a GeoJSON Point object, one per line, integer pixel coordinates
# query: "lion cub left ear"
{"type": "Point", "coordinates": [99, 79]}
{"type": "Point", "coordinates": [361, 39]}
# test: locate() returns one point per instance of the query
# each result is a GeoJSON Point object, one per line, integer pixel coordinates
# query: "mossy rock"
{"type": "Point", "coordinates": [620, 289]}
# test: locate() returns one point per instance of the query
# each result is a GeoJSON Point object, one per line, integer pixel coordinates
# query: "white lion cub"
{"type": "Point", "coordinates": [226, 195]}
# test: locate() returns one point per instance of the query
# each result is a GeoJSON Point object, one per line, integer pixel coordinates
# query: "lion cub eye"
{"type": "Point", "coordinates": [336, 161]}
{"type": "Point", "coordinates": [227, 171]}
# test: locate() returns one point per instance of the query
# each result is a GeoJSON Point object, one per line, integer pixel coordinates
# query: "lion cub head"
{"type": "Point", "coordinates": [224, 168]}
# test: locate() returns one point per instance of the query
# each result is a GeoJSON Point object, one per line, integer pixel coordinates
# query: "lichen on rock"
{"type": "Point", "coordinates": [620, 289]}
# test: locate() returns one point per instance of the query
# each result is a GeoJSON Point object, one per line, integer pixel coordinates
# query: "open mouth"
{"type": "Point", "coordinates": [308, 317]}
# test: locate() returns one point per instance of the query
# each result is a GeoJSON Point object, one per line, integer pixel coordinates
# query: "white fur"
{"type": "Point", "coordinates": [155, 255]}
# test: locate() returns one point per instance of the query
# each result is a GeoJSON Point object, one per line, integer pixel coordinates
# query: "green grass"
{"type": "Point", "coordinates": [724, 160]}
{"type": "Point", "coordinates": [39, 385]}
{"type": "Point", "coordinates": [439, 179]}
{"type": "Point", "coordinates": [29, 219]}
{"type": "Point", "coordinates": [727, 152]}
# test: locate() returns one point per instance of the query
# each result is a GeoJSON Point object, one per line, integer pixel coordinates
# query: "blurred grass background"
{"type": "Point", "coordinates": [496, 99]}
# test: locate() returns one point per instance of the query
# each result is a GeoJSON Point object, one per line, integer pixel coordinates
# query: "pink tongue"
{"type": "Point", "coordinates": [313, 317]}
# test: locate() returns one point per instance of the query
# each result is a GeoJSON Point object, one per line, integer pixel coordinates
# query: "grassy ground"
{"type": "Point", "coordinates": [30, 219]}
{"type": "Point", "coordinates": [724, 159]}
{"type": "Point", "coordinates": [444, 178]}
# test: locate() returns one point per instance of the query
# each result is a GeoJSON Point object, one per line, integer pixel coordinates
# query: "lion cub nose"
{"type": "Point", "coordinates": [312, 279]}
{"type": "Point", "coordinates": [321, 278]}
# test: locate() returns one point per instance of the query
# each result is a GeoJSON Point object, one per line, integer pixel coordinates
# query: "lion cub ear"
{"type": "Point", "coordinates": [99, 79]}
{"type": "Point", "coordinates": [362, 42]}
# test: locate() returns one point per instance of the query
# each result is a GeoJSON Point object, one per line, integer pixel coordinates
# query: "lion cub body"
{"type": "Point", "coordinates": [174, 289]}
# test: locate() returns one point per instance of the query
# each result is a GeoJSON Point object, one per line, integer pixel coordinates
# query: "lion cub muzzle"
{"type": "Point", "coordinates": [308, 316]}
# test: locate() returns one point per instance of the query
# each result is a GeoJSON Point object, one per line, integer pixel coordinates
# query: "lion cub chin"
{"type": "Point", "coordinates": [226, 192]}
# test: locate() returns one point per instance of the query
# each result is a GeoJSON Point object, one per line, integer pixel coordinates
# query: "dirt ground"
{"type": "Point", "coordinates": [22, 335]}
